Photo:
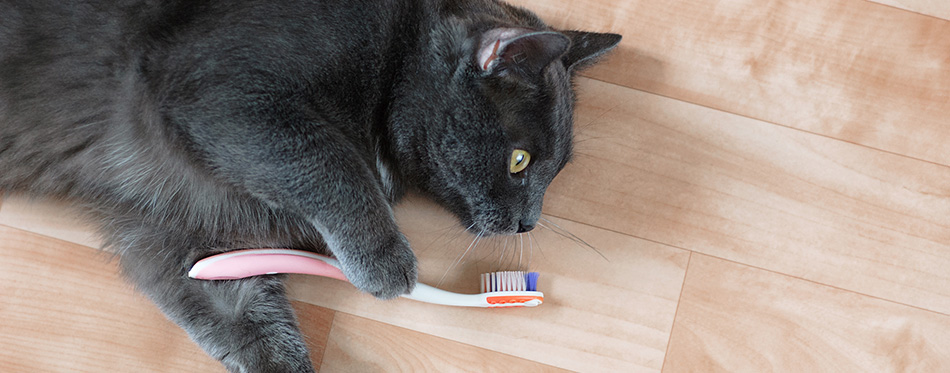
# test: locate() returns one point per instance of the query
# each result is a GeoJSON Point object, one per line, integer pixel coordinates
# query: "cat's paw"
{"type": "Point", "coordinates": [387, 271]}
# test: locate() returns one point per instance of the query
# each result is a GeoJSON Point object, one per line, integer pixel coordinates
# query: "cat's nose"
{"type": "Point", "coordinates": [525, 226]}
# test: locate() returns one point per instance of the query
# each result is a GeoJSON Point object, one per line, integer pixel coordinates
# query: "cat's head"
{"type": "Point", "coordinates": [487, 124]}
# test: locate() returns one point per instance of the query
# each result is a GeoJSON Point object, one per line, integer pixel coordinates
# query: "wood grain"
{"type": "Point", "coordinates": [64, 309]}
{"type": "Point", "coordinates": [630, 296]}
{"type": "Point", "coordinates": [733, 318]}
{"type": "Point", "coordinates": [759, 194]}
{"type": "Point", "coordinates": [694, 178]}
{"type": "Point", "coordinates": [315, 323]}
{"type": "Point", "coordinates": [848, 69]}
{"type": "Point", "coordinates": [599, 314]}
{"type": "Point", "coordinates": [357, 344]}
{"type": "Point", "coordinates": [829, 175]}
{"type": "Point", "coordinates": [52, 218]}
{"type": "Point", "coordinates": [936, 8]}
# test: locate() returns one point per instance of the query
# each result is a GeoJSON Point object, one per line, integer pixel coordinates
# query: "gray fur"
{"type": "Point", "coordinates": [188, 128]}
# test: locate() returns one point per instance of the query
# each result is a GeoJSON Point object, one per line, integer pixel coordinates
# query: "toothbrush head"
{"type": "Point", "coordinates": [511, 289]}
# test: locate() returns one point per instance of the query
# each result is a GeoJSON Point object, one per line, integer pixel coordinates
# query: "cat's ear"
{"type": "Point", "coordinates": [586, 47]}
{"type": "Point", "coordinates": [523, 50]}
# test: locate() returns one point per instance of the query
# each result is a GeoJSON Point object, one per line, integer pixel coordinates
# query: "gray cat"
{"type": "Point", "coordinates": [188, 128]}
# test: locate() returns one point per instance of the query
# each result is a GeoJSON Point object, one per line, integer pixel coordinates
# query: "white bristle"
{"type": "Point", "coordinates": [503, 281]}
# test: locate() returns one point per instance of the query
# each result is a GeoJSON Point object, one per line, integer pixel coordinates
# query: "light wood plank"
{"type": "Point", "coordinates": [936, 8]}
{"type": "Point", "coordinates": [599, 314]}
{"type": "Point", "coordinates": [66, 310]}
{"type": "Point", "coordinates": [315, 323]}
{"type": "Point", "coordinates": [48, 217]}
{"type": "Point", "coordinates": [357, 344]}
{"type": "Point", "coordinates": [759, 194]}
{"type": "Point", "coordinates": [853, 70]}
{"type": "Point", "coordinates": [669, 172]}
{"type": "Point", "coordinates": [733, 318]}
{"type": "Point", "coordinates": [729, 186]}
{"type": "Point", "coordinates": [636, 312]}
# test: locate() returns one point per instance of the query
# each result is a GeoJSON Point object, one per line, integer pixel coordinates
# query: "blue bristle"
{"type": "Point", "coordinates": [531, 278]}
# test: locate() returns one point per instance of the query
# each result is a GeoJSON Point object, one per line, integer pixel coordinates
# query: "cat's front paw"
{"type": "Point", "coordinates": [386, 271]}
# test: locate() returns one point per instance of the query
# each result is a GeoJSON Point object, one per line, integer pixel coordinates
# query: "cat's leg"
{"type": "Point", "coordinates": [247, 324]}
{"type": "Point", "coordinates": [318, 172]}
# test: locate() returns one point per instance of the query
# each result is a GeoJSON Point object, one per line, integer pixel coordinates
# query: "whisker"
{"type": "Point", "coordinates": [487, 253]}
{"type": "Point", "coordinates": [598, 118]}
{"type": "Point", "coordinates": [514, 252]}
{"type": "Point", "coordinates": [496, 244]}
{"type": "Point", "coordinates": [530, 249]}
{"type": "Point", "coordinates": [504, 262]}
{"type": "Point", "coordinates": [571, 236]}
{"type": "Point", "coordinates": [560, 233]}
{"type": "Point", "coordinates": [538, 245]}
{"type": "Point", "coordinates": [520, 250]}
{"type": "Point", "coordinates": [446, 231]}
{"type": "Point", "coordinates": [459, 260]}
{"type": "Point", "coordinates": [511, 259]}
{"type": "Point", "coordinates": [504, 250]}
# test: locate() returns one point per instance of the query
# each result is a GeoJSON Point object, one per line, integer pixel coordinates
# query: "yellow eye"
{"type": "Point", "coordinates": [519, 160]}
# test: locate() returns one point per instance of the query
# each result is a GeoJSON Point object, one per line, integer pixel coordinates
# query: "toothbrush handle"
{"type": "Point", "coordinates": [429, 294]}
{"type": "Point", "coordinates": [255, 262]}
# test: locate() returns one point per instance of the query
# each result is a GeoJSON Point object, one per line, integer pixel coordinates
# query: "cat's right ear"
{"type": "Point", "coordinates": [521, 50]}
{"type": "Point", "coordinates": [586, 48]}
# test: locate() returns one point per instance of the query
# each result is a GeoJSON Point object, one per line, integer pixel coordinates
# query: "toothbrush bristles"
{"type": "Point", "coordinates": [509, 281]}
{"type": "Point", "coordinates": [531, 281]}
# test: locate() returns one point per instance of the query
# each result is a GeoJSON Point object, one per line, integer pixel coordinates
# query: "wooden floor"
{"type": "Point", "coordinates": [766, 184]}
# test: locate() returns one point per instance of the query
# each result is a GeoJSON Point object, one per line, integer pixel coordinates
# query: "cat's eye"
{"type": "Point", "coordinates": [519, 160]}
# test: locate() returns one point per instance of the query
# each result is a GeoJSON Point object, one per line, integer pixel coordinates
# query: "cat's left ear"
{"type": "Point", "coordinates": [586, 47]}
{"type": "Point", "coordinates": [522, 50]}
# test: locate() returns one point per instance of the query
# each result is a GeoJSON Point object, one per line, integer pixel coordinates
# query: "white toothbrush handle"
{"type": "Point", "coordinates": [429, 294]}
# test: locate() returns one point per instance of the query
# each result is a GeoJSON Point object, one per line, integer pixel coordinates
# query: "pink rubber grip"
{"type": "Point", "coordinates": [254, 262]}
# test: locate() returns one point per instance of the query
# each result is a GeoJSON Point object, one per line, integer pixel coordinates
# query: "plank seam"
{"type": "Point", "coordinates": [897, 8]}
{"type": "Point", "coordinates": [473, 346]}
{"type": "Point", "coordinates": [326, 341]}
{"type": "Point", "coordinates": [826, 285]}
{"type": "Point", "coordinates": [691, 251]}
{"type": "Point", "coordinates": [772, 123]}
{"type": "Point", "coordinates": [679, 301]}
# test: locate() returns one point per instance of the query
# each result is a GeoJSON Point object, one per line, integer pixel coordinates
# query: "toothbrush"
{"type": "Point", "coordinates": [498, 289]}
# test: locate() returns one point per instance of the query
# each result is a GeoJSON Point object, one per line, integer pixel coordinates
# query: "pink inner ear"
{"type": "Point", "coordinates": [491, 57]}
{"type": "Point", "coordinates": [493, 43]}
